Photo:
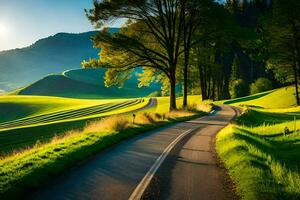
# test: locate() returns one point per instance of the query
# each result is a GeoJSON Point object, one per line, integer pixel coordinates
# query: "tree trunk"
{"type": "Point", "coordinates": [202, 82]}
{"type": "Point", "coordinates": [213, 94]}
{"type": "Point", "coordinates": [185, 82]}
{"type": "Point", "coordinates": [297, 91]}
{"type": "Point", "coordinates": [227, 70]}
{"type": "Point", "coordinates": [187, 46]}
{"type": "Point", "coordinates": [172, 92]}
{"type": "Point", "coordinates": [296, 79]}
{"type": "Point", "coordinates": [208, 74]}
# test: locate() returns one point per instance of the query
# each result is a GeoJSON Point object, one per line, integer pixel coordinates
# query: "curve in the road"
{"type": "Point", "coordinates": [116, 172]}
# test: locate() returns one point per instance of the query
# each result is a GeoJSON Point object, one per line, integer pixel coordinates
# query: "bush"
{"type": "Point", "coordinates": [261, 85]}
{"type": "Point", "coordinates": [178, 113]}
{"type": "Point", "coordinates": [238, 88]}
{"type": "Point", "coordinates": [206, 106]}
{"type": "Point", "coordinates": [109, 124]}
{"type": "Point", "coordinates": [146, 118]}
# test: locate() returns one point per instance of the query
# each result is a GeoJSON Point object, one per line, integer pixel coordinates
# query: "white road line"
{"type": "Point", "coordinates": [142, 186]}
{"type": "Point", "coordinates": [140, 189]}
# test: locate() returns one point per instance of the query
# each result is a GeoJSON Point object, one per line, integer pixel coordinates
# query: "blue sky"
{"type": "Point", "coordinates": [22, 22]}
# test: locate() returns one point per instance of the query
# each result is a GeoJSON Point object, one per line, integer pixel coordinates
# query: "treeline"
{"type": "Point", "coordinates": [218, 49]}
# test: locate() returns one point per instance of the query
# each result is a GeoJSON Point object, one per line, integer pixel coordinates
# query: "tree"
{"type": "Point", "coordinates": [152, 37]}
{"type": "Point", "coordinates": [238, 88]}
{"type": "Point", "coordinates": [260, 85]}
{"type": "Point", "coordinates": [247, 52]}
{"type": "Point", "coordinates": [196, 15]}
{"type": "Point", "coordinates": [210, 56]}
{"type": "Point", "coordinates": [283, 25]}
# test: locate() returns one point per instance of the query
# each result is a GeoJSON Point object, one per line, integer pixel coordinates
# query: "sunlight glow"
{"type": "Point", "coordinates": [3, 30]}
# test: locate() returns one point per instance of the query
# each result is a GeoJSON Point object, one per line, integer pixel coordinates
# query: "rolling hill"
{"type": "Point", "coordinates": [278, 98]}
{"type": "Point", "coordinates": [54, 54]}
{"type": "Point", "coordinates": [26, 119]}
{"type": "Point", "coordinates": [85, 83]}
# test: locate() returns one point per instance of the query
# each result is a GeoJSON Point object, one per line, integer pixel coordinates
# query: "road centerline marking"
{"type": "Point", "coordinates": [142, 186]}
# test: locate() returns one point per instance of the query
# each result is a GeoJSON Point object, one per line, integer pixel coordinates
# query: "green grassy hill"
{"type": "Point", "coordinates": [261, 151]}
{"type": "Point", "coordinates": [279, 98]}
{"type": "Point", "coordinates": [27, 119]}
{"type": "Point", "coordinates": [17, 107]}
{"type": "Point", "coordinates": [85, 83]}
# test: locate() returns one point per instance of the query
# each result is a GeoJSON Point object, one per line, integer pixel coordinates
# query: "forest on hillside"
{"type": "Point", "coordinates": [218, 49]}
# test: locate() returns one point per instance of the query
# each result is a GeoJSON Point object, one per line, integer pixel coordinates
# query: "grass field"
{"type": "Point", "coordinates": [22, 171]}
{"type": "Point", "coordinates": [33, 118]}
{"type": "Point", "coordinates": [16, 107]}
{"type": "Point", "coordinates": [279, 98]}
{"type": "Point", "coordinates": [262, 161]}
{"type": "Point", "coordinates": [28, 119]}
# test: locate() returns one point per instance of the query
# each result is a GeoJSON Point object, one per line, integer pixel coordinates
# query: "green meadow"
{"type": "Point", "coordinates": [30, 119]}
{"type": "Point", "coordinates": [261, 150]}
{"type": "Point", "coordinates": [144, 65]}
{"type": "Point", "coordinates": [26, 169]}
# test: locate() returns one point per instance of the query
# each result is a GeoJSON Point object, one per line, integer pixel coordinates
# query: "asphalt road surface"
{"type": "Point", "coordinates": [151, 104]}
{"type": "Point", "coordinates": [189, 172]}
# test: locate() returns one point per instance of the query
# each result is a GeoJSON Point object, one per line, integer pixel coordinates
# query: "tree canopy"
{"type": "Point", "coordinates": [209, 47]}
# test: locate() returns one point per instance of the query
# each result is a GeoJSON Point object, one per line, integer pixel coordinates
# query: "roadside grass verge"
{"type": "Point", "coordinates": [163, 103]}
{"type": "Point", "coordinates": [262, 161]}
{"type": "Point", "coordinates": [24, 171]}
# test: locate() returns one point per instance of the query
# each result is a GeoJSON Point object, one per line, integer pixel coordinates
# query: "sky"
{"type": "Point", "coordinates": [22, 22]}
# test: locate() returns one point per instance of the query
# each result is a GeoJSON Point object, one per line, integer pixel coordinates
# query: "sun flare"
{"type": "Point", "coordinates": [3, 29]}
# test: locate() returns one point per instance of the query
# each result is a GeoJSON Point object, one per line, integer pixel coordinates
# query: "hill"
{"type": "Point", "coordinates": [260, 150]}
{"type": "Point", "coordinates": [53, 54]}
{"type": "Point", "coordinates": [85, 83]}
{"type": "Point", "coordinates": [279, 98]}
{"type": "Point", "coordinates": [26, 119]}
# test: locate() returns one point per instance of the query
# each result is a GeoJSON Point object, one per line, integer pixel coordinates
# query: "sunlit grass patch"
{"type": "Point", "coordinates": [17, 134]}
{"type": "Point", "coordinates": [17, 107]}
{"type": "Point", "coordinates": [279, 98]}
{"type": "Point", "coordinates": [112, 123]}
{"type": "Point", "coordinates": [262, 161]}
{"type": "Point", "coordinates": [28, 169]}
{"type": "Point", "coordinates": [163, 104]}
{"type": "Point", "coordinates": [205, 106]}
{"type": "Point", "coordinates": [178, 113]}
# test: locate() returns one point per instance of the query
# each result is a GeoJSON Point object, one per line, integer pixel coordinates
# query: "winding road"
{"type": "Point", "coordinates": [173, 162]}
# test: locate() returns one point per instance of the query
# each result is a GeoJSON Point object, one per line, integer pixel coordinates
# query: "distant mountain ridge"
{"type": "Point", "coordinates": [54, 54]}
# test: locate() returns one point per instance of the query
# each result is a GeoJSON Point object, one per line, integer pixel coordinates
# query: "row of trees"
{"type": "Point", "coordinates": [203, 44]}
{"type": "Point", "coordinates": [283, 27]}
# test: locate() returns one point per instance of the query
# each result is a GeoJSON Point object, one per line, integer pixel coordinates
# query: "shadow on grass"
{"type": "Point", "coordinates": [258, 118]}
{"type": "Point", "coordinates": [281, 151]}
{"type": "Point", "coordinates": [254, 152]}
{"type": "Point", "coordinates": [248, 98]}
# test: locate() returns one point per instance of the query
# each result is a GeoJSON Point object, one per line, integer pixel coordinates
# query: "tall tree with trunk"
{"type": "Point", "coordinates": [247, 46]}
{"type": "Point", "coordinates": [161, 21]}
{"type": "Point", "coordinates": [217, 31]}
{"type": "Point", "coordinates": [196, 13]}
{"type": "Point", "coordinates": [283, 25]}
